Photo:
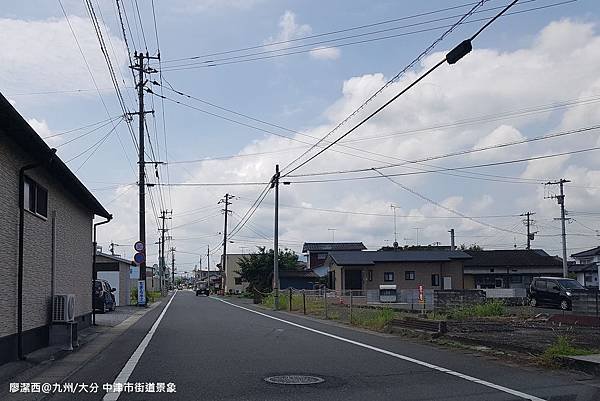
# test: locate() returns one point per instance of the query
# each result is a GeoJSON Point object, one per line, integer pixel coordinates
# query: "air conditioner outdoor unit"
{"type": "Point", "coordinates": [63, 308]}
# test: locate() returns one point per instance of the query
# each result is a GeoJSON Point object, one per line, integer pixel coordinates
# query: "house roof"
{"type": "Point", "coordinates": [298, 273]}
{"type": "Point", "coordinates": [580, 268]}
{"type": "Point", "coordinates": [591, 252]}
{"type": "Point", "coordinates": [347, 258]}
{"type": "Point", "coordinates": [332, 246]}
{"type": "Point", "coordinates": [115, 258]}
{"type": "Point", "coordinates": [14, 126]}
{"type": "Point", "coordinates": [511, 257]}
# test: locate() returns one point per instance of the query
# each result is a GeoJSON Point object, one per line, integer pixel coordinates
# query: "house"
{"type": "Point", "coordinates": [298, 279]}
{"type": "Point", "coordinates": [509, 268]}
{"type": "Point", "coordinates": [316, 253]}
{"type": "Point", "coordinates": [116, 271]}
{"type": "Point", "coordinates": [587, 267]}
{"type": "Point", "coordinates": [45, 245]}
{"type": "Point", "coordinates": [404, 269]}
{"type": "Point", "coordinates": [233, 281]}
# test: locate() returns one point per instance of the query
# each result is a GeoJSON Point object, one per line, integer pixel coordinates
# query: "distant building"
{"type": "Point", "coordinates": [57, 251]}
{"type": "Point", "coordinates": [116, 271]}
{"type": "Point", "coordinates": [298, 279]}
{"type": "Point", "coordinates": [404, 269]}
{"type": "Point", "coordinates": [509, 268]}
{"type": "Point", "coordinates": [233, 281]}
{"type": "Point", "coordinates": [586, 267]}
{"type": "Point", "coordinates": [317, 253]}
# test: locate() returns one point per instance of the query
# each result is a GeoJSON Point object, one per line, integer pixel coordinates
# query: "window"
{"type": "Point", "coordinates": [35, 198]}
{"type": "Point", "coordinates": [238, 280]}
{"type": "Point", "coordinates": [370, 275]}
{"type": "Point", "coordinates": [435, 280]}
{"type": "Point", "coordinates": [388, 276]}
{"type": "Point", "coordinates": [409, 275]}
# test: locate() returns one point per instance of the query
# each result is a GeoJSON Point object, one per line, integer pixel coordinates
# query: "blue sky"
{"type": "Point", "coordinates": [308, 93]}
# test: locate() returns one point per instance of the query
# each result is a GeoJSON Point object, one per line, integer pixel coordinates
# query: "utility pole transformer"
{"type": "Point", "coordinates": [561, 201]}
{"type": "Point", "coordinates": [530, 235]}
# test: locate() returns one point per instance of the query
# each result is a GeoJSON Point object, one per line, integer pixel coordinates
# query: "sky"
{"type": "Point", "coordinates": [528, 91]}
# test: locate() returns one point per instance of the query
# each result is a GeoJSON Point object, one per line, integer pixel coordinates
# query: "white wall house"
{"type": "Point", "coordinates": [586, 267]}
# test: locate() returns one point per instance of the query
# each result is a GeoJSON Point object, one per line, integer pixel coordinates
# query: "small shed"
{"type": "Point", "coordinates": [115, 270]}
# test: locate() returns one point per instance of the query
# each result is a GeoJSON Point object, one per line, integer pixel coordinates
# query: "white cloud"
{"type": "Point", "coordinates": [326, 53]}
{"type": "Point", "coordinates": [204, 5]}
{"type": "Point", "coordinates": [487, 82]}
{"type": "Point", "coordinates": [288, 29]}
{"type": "Point", "coordinates": [37, 55]}
{"type": "Point", "coordinates": [501, 135]}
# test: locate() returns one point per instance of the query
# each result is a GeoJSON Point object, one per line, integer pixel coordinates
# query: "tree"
{"type": "Point", "coordinates": [472, 247]}
{"type": "Point", "coordinates": [257, 268]}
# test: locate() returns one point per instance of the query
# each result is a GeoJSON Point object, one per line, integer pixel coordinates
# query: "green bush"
{"type": "Point", "coordinates": [561, 347]}
{"type": "Point", "coordinates": [151, 296]}
{"type": "Point", "coordinates": [494, 307]}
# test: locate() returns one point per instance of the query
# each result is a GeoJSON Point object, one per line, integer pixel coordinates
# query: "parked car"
{"type": "Point", "coordinates": [553, 291]}
{"type": "Point", "coordinates": [104, 300]}
{"type": "Point", "coordinates": [202, 289]}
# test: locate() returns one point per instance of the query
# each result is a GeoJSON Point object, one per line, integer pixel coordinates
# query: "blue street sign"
{"type": "Point", "coordinates": [139, 258]}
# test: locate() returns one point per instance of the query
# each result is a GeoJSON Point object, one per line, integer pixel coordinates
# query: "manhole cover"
{"type": "Point", "coordinates": [294, 379]}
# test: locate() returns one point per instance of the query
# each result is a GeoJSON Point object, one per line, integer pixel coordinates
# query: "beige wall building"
{"type": "Point", "coordinates": [406, 269]}
{"type": "Point", "coordinates": [57, 235]}
{"type": "Point", "coordinates": [233, 281]}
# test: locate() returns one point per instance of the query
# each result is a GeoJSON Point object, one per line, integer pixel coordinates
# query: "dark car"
{"type": "Point", "coordinates": [553, 291]}
{"type": "Point", "coordinates": [104, 300]}
{"type": "Point", "coordinates": [202, 289]}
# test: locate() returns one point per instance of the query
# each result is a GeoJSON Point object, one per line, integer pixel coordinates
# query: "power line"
{"type": "Point", "coordinates": [82, 127]}
{"type": "Point", "coordinates": [358, 42]}
{"type": "Point", "coordinates": [325, 33]}
{"type": "Point", "coordinates": [461, 152]}
{"type": "Point", "coordinates": [412, 191]}
{"type": "Point", "coordinates": [452, 57]}
{"type": "Point", "coordinates": [84, 134]}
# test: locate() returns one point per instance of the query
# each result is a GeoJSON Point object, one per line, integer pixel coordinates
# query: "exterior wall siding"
{"type": "Point", "coordinates": [73, 247]}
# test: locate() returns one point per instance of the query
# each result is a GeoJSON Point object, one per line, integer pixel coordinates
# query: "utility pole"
{"type": "Point", "coordinates": [139, 66]}
{"type": "Point", "coordinates": [164, 218]}
{"type": "Point", "coordinates": [452, 243]}
{"type": "Point", "coordinates": [275, 184]}
{"type": "Point", "coordinates": [208, 267]}
{"type": "Point", "coordinates": [530, 235]}
{"type": "Point", "coordinates": [561, 201]}
{"type": "Point", "coordinates": [112, 248]}
{"type": "Point", "coordinates": [224, 262]}
{"type": "Point", "coordinates": [173, 266]}
{"type": "Point", "coordinates": [395, 227]}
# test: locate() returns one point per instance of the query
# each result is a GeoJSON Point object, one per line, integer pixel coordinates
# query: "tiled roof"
{"type": "Point", "coordinates": [371, 257]}
{"type": "Point", "coordinates": [298, 273]}
{"type": "Point", "coordinates": [511, 257]}
{"type": "Point", "coordinates": [578, 268]}
{"type": "Point", "coordinates": [591, 252]}
{"type": "Point", "coordinates": [333, 246]}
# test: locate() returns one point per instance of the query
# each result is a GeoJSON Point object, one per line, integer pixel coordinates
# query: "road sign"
{"type": "Point", "coordinates": [139, 258]}
{"type": "Point", "coordinates": [141, 292]}
{"type": "Point", "coordinates": [134, 272]}
{"type": "Point", "coordinates": [138, 246]}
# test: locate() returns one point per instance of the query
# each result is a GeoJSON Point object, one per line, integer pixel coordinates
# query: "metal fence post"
{"type": "Point", "coordinates": [290, 292]}
{"type": "Point", "coordinates": [304, 302]}
{"type": "Point", "coordinates": [350, 306]}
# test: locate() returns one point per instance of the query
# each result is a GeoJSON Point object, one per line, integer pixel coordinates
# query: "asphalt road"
{"type": "Point", "coordinates": [214, 350]}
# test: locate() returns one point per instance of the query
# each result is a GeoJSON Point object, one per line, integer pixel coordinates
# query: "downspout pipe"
{"type": "Point", "coordinates": [22, 171]}
{"type": "Point", "coordinates": [94, 272]}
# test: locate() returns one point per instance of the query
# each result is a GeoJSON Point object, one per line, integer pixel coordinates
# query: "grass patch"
{"type": "Point", "coordinates": [494, 307]}
{"type": "Point", "coordinates": [561, 347]}
{"type": "Point", "coordinates": [374, 319]}
{"type": "Point", "coordinates": [151, 296]}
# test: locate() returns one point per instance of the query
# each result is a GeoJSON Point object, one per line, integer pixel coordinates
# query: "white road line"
{"type": "Point", "coordinates": [137, 354]}
{"type": "Point", "coordinates": [399, 356]}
